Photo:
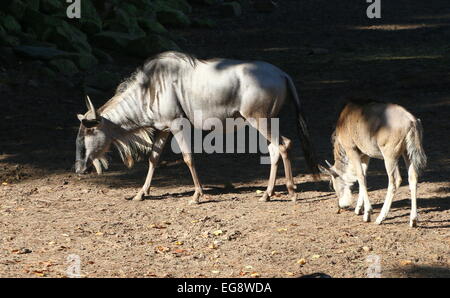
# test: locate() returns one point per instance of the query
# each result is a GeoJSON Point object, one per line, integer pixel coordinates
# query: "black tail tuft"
{"type": "Point", "coordinates": [303, 132]}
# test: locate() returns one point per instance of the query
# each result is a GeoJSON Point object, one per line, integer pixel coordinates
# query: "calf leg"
{"type": "Point", "coordinates": [398, 177]}
{"type": "Point", "coordinates": [355, 160]}
{"type": "Point", "coordinates": [412, 181]}
{"type": "Point", "coordinates": [359, 204]}
{"type": "Point", "coordinates": [158, 146]}
{"type": "Point", "coordinates": [391, 165]}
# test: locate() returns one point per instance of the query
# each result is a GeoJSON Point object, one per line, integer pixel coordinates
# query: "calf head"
{"type": "Point", "coordinates": [341, 182]}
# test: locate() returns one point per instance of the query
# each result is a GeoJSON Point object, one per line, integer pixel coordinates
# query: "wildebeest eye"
{"type": "Point", "coordinates": [90, 123]}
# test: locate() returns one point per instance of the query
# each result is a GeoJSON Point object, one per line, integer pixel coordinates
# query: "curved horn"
{"type": "Point", "coordinates": [328, 164]}
{"type": "Point", "coordinates": [90, 106]}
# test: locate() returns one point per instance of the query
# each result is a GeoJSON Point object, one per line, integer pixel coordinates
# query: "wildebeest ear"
{"type": "Point", "coordinates": [90, 123]}
{"type": "Point", "coordinates": [80, 117]}
{"type": "Point", "coordinates": [328, 171]}
{"type": "Point", "coordinates": [324, 170]}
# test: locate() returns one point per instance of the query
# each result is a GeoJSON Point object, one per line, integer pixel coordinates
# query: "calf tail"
{"type": "Point", "coordinates": [305, 140]}
{"type": "Point", "coordinates": [414, 148]}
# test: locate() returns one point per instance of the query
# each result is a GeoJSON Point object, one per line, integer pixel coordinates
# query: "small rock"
{"type": "Point", "coordinates": [24, 251]}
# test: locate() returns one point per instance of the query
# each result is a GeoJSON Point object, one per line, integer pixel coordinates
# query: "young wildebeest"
{"type": "Point", "coordinates": [367, 129]}
{"type": "Point", "coordinates": [174, 86]}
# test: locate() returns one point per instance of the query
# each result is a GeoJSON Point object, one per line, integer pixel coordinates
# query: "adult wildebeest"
{"type": "Point", "coordinates": [173, 85]}
{"type": "Point", "coordinates": [369, 129]}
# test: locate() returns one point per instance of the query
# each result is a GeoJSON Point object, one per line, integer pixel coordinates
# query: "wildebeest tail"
{"type": "Point", "coordinates": [303, 132]}
{"type": "Point", "coordinates": [414, 146]}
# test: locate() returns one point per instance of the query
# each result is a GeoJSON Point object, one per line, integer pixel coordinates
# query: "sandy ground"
{"type": "Point", "coordinates": [47, 213]}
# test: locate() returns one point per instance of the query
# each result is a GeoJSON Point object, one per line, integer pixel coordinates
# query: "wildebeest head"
{"type": "Point", "coordinates": [92, 141]}
{"type": "Point", "coordinates": [341, 182]}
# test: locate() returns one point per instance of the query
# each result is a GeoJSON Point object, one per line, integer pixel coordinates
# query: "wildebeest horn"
{"type": "Point", "coordinates": [90, 106]}
{"type": "Point", "coordinates": [328, 164]}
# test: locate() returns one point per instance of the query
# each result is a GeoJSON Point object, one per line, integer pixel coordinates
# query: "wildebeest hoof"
{"type": "Point", "coordinates": [379, 220]}
{"type": "Point", "coordinates": [265, 197]}
{"type": "Point", "coordinates": [294, 198]}
{"type": "Point", "coordinates": [195, 198]}
{"type": "Point", "coordinates": [366, 217]}
{"type": "Point", "coordinates": [358, 211]}
{"type": "Point", "coordinates": [193, 202]}
{"type": "Point", "coordinates": [138, 197]}
{"type": "Point", "coordinates": [413, 223]}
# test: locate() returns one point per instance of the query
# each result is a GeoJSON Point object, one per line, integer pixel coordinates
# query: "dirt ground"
{"type": "Point", "coordinates": [332, 50]}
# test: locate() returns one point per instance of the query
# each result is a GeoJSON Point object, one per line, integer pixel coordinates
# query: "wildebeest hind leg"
{"type": "Point", "coordinates": [284, 151]}
{"type": "Point", "coordinates": [187, 157]}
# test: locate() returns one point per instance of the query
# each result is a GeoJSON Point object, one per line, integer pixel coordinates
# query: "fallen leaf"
{"type": "Point", "coordinates": [259, 191]}
{"type": "Point", "coordinates": [282, 230]}
{"type": "Point", "coordinates": [405, 262]}
{"type": "Point", "coordinates": [213, 246]}
{"type": "Point", "coordinates": [179, 243]}
{"type": "Point", "coordinates": [162, 249]}
{"type": "Point", "coordinates": [151, 274]}
{"type": "Point", "coordinates": [290, 273]}
{"type": "Point", "coordinates": [179, 251]}
{"type": "Point", "coordinates": [39, 273]}
{"type": "Point", "coordinates": [157, 226]}
{"type": "Point", "coordinates": [255, 274]}
{"type": "Point", "coordinates": [215, 271]}
{"type": "Point", "coordinates": [301, 261]}
{"type": "Point", "coordinates": [315, 257]}
{"type": "Point", "coordinates": [99, 233]}
{"type": "Point", "coordinates": [366, 248]}
{"type": "Point", "coordinates": [274, 252]}
{"type": "Point", "coordinates": [218, 232]}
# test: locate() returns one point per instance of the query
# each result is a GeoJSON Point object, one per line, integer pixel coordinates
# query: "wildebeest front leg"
{"type": "Point", "coordinates": [187, 157]}
{"type": "Point", "coordinates": [158, 146]}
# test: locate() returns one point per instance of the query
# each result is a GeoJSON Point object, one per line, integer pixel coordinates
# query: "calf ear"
{"type": "Point", "coordinates": [328, 171]}
{"type": "Point", "coordinates": [324, 170]}
{"type": "Point", "coordinates": [80, 117]}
